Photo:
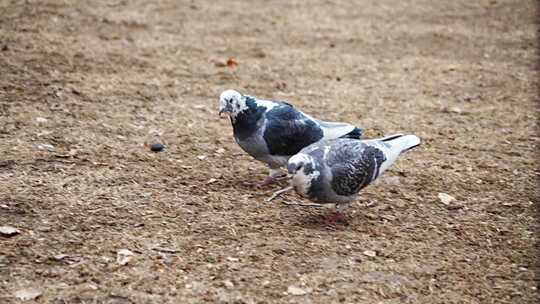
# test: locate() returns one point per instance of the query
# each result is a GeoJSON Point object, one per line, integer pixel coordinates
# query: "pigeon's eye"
{"type": "Point", "coordinates": [229, 101]}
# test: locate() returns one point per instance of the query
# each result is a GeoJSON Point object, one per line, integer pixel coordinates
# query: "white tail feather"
{"type": "Point", "coordinates": [395, 145]}
{"type": "Point", "coordinates": [404, 142]}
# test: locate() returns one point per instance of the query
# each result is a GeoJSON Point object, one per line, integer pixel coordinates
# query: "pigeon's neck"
{"type": "Point", "coordinates": [245, 122]}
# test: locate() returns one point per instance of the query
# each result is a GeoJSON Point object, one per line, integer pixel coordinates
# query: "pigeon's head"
{"type": "Point", "coordinates": [231, 102]}
{"type": "Point", "coordinates": [302, 169]}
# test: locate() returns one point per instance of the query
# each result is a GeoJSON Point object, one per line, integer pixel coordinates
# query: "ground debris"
{"type": "Point", "coordinates": [446, 198]}
{"type": "Point", "coordinates": [370, 253]}
{"type": "Point", "coordinates": [124, 256]}
{"type": "Point", "coordinates": [9, 231]}
{"type": "Point", "coordinates": [298, 291]}
{"type": "Point", "coordinates": [27, 294]}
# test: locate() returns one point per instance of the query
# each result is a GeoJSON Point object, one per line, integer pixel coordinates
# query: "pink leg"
{"type": "Point", "coordinates": [270, 178]}
{"type": "Point", "coordinates": [265, 181]}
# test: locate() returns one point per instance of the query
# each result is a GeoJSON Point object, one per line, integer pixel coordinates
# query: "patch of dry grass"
{"type": "Point", "coordinates": [85, 87]}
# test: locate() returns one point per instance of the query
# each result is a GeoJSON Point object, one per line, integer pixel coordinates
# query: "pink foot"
{"type": "Point", "coordinates": [336, 217]}
{"type": "Point", "coordinates": [265, 181]}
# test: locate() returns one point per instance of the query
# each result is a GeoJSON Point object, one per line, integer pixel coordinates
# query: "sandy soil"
{"type": "Point", "coordinates": [86, 85]}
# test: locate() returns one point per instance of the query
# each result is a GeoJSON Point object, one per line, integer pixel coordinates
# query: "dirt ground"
{"type": "Point", "coordinates": [86, 85]}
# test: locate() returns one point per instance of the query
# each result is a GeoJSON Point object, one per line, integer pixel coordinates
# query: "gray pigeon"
{"type": "Point", "coordinates": [334, 171]}
{"type": "Point", "coordinates": [272, 131]}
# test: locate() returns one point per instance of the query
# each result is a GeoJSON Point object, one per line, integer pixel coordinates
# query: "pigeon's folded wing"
{"type": "Point", "coordinates": [354, 165]}
{"type": "Point", "coordinates": [288, 130]}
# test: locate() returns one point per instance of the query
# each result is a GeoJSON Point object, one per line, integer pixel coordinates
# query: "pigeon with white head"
{"type": "Point", "coordinates": [272, 131]}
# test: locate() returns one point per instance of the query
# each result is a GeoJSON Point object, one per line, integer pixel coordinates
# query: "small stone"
{"type": "Point", "coordinates": [27, 294]}
{"type": "Point", "coordinates": [60, 257]}
{"type": "Point", "coordinates": [156, 147]}
{"type": "Point", "coordinates": [456, 110]}
{"type": "Point", "coordinates": [9, 231]}
{"type": "Point", "coordinates": [297, 291]}
{"type": "Point", "coordinates": [123, 256]}
{"type": "Point", "coordinates": [370, 253]}
{"type": "Point", "coordinates": [446, 198]}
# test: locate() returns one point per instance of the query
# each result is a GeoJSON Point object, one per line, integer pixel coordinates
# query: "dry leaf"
{"type": "Point", "coordinates": [231, 259]}
{"type": "Point", "coordinates": [9, 231]}
{"type": "Point", "coordinates": [297, 291]}
{"type": "Point", "coordinates": [220, 150]}
{"type": "Point", "coordinates": [123, 256]}
{"type": "Point", "coordinates": [231, 62]}
{"type": "Point", "coordinates": [201, 157]}
{"type": "Point", "coordinates": [212, 180]}
{"type": "Point", "coordinates": [370, 253]}
{"type": "Point", "coordinates": [27, 294]}
{"type": "Point", "coordinates": [446, 198]}
{"type": "Point", "coordinates": [220, 64]}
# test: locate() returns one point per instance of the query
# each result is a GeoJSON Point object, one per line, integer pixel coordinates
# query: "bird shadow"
{"type": "Point", "coordinates": [319, 222]}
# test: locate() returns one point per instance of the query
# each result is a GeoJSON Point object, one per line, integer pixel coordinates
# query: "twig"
{"type": "Point", "coordinates": [278, 193]}
{"type": "Point", "coordinates": [303, 204]}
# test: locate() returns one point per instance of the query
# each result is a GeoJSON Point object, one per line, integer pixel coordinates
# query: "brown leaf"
{"type": "Point", "coordinates": [231, 62]}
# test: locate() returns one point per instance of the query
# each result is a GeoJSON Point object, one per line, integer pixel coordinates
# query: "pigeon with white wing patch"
{"type": "Point", "coordinates": [334, 171]}
{"type": "Point", "coordinates": [272, 131]}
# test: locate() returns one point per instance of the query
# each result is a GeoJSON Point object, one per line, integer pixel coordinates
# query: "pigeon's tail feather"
{"type": "Point", "coordinates": [394, 145]}
{"type": "Point", "coordinates": [402, 143]}
{"type": "Point", "coordinates": [389, 138]}
{"type": "Point", "coordinates": [333, 130]}
{"type": "Point", "coordinates": [354, 134]}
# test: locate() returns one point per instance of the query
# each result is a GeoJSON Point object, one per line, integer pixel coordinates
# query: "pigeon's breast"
{"type": "Point", "coordinates": [254, 144]}
{"type": "Point", "coordinates": [321, 191]}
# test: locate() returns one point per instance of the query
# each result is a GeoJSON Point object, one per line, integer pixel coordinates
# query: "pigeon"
{"type": "Point", "coordinates": [272, 131]}
{"type": "Point", "coordinates": [334, 171]}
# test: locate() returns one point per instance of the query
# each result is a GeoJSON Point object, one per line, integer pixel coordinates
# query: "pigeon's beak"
{"type": "Point", "coordinates": [224, 109]}
{"type": "Point", "coordinates": [291, 170]}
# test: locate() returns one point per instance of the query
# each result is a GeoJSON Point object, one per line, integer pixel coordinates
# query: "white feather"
{"type": "Point", "coordinates": [332, 130]}
{"type": "Point", "coordinates": [268, 104]}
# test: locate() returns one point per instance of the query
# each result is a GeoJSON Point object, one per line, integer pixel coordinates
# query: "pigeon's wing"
{"type": "Point", "coordinates": [334, 130]}
{"type": "Point", "coordinates": [288, 130]}
{"type": "Point", "coordinates": [353, 165]}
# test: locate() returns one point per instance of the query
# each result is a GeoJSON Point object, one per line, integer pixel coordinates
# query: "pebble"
{"type": "Point", "coordinates": [156, 147]}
